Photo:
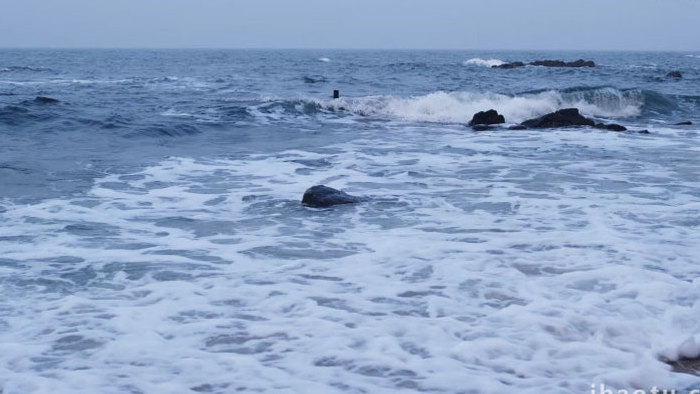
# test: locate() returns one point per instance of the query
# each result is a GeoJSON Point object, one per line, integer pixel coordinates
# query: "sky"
{"type": "Point", "coordinates": [398, 24]}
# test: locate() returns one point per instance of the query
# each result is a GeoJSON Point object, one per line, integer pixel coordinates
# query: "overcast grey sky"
{"type": "Point", "coordinates": [439, 24]}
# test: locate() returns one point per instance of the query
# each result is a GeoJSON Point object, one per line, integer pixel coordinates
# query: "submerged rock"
{"type": "Point", "coordinates": [487, 118]}
{"type": "Point", "coordinates": [321, 196]}
{"type": "Point", "coordinates": [674, 74]}
{"type": "Point", "coordinates": [45, 100]}
{"type": "Point", "coordinates": [481, 127]}
{"type": "Point", "coordinates": [517, 127]}
{"type": "Point", "coordinates": [563, 118]}
{"type": "Point", "coordinates": [685, 123]}
{"type": "Point", "coordinates": [611, 127]}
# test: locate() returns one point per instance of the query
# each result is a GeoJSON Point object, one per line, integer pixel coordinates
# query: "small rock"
{"type": "Point", "coordinates": [320, 196]}
{"type": "Point", "coordinates": [563, 118]}
{"type": "Point", "coordinates": [487, 117]}
{"type": "Point", "coordinates": [517, 127]}
{"type": "Point", "coordinates": [684, 123]}
{"type": "Point", "coordinates": [674, 74]}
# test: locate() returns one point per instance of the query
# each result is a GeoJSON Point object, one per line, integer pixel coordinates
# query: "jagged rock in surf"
{"type": "Point", "coordinates": [561, 63]}
{"type": "Point", "coordinates": [685, 365]}
{"type": "Point", "coordinates": [684, 123]}
{"type": "Point", "coordinates": [45, 100]}
{"type": "Point", "coordinates": [487, 118]}
{"type": "Point", "coordinates": [548, 63]}
{"type": "Point", "coordinates": [509, 65]}
{"type": "Point", "coordinates": [563, 118]}
{"type": "Point", "coordinates": [674, 74]}
{"type": "Point", "coordinates": [611, 127]}
{"type": "Point", "coordinates": [321, 196]}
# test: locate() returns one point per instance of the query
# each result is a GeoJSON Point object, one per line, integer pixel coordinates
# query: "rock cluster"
{"type": "Point", "coordinates": [567, 117]}
{"type": "Point", "coordinates": [548, 63]}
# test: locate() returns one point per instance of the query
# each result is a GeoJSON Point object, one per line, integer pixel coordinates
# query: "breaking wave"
{"type": "Point", "coordinates": [459, 107]}
{"type": "Point", "coordinates": [483, 62]}
{"type": "Point", "coordinates": [24, 68]}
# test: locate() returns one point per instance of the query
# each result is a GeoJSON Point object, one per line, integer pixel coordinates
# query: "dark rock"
{"type": "Point", "coordinates": [560, 63]}
{"type": "Point", "coordinates": [686, 365]}
{"type": "Point", "coordinates": [45, 100]}
{"type": "Point", "coordinates": [581, 63]}
{"type": "Point", "coordinates": [487, 117]}
{"type": "Point", "coordinates": [675, 74]}
{"type": "Point", "coordinates": [611, 127]}
{"type": "Point", "coordinates": [686, 123]}
{"type": "Point", "coordinates": [642, 131]}
{"type": "Point", "coordinates": [549, 63]}
{"type": "Point", "coordinates": [517, 127]}
{"type": "Point", "coordinates": [510, 65]}
{"type": "Point", "coordinates": [563, 118]}
{"type": "Point", "coordinates": [320, 196]}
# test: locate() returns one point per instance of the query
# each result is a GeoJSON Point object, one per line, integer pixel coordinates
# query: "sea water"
{"type": "Point", "coordinates": [152, 238]}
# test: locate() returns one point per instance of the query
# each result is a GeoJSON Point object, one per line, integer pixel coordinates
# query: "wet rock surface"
{"type": "Point", "coordinates": [321, 196]}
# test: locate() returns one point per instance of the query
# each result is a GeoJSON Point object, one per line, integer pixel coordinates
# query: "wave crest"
{"type": "Point", "coordinates": [483, 62]}
{"type": "Point", "coordinates": [459, 107]}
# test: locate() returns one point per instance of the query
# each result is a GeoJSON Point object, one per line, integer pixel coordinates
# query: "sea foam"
{"type": "Point", "coordinates": [483, 62]}
{"type": "Point", "coordinates": [459, 273]}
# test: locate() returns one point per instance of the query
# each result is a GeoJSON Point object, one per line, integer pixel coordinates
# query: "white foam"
{"type": "Point", "coordinates": [68, 82]}
{"type": "Point", "coordinates": [483, 263]}
{"type": "Point", "coordinates": [482, 62]}
{"type": "Point", "coordinates": [324, 59]}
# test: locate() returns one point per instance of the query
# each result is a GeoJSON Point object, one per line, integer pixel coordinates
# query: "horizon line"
{"type": "Point", "coordinates": [335, 49]}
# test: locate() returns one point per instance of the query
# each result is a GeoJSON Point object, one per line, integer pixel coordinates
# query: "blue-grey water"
{"type": "Point", "coordinates": [152, 238]}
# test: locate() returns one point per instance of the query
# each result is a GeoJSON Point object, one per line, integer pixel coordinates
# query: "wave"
{"type": "Point", "coordinates": [273, 108]}
{"type": "Point", "coordinates": [314, 79]}
{"type": "Point", "coordinates": [407, 66]}
{"type": "Point", "coordinates": [25, 68]}
{"type": "Point", "coordinates": [483, 62]}
{"type": "Point", "coordinates": [459, 107]}
{"type": "Point", "coordinates": [164, 131]}
{"type": "Point", "coordinates": [324, 59]}
{"type": "Point", "coordinates": [39, 109]}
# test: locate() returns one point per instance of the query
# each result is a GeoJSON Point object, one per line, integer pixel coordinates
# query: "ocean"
{"type": "Point", "coordinates": [153, 240]}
